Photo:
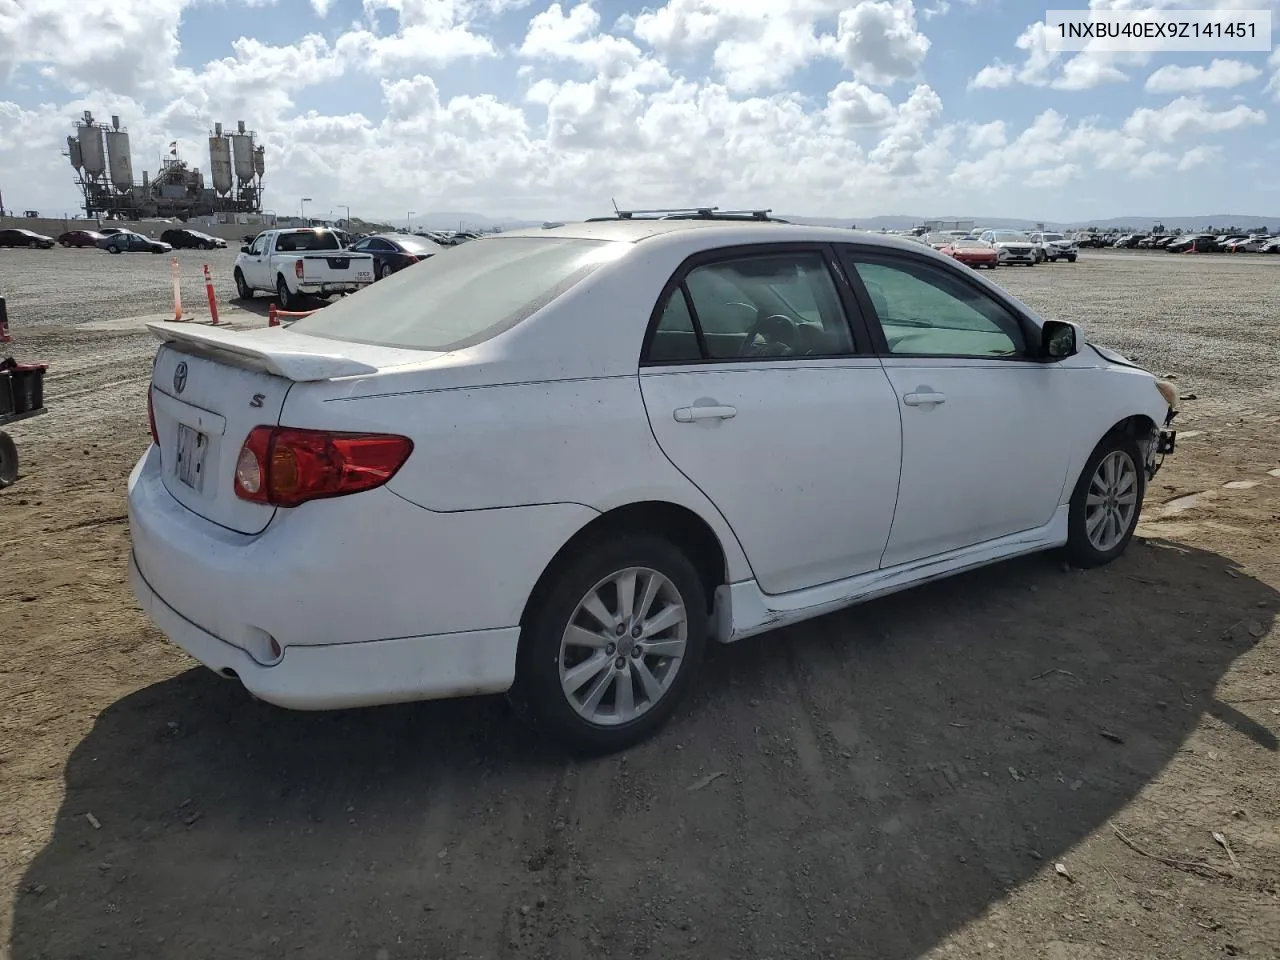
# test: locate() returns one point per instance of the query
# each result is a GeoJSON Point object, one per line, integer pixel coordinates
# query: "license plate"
{"type": "Point", "coordinates": [364, 274]}
{"type": "Point", "coordinates": [192, 445]}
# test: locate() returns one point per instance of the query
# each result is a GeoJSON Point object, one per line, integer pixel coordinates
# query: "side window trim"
{"type": "Point", "coordinates": [742, 251]}
{"type": "Point", "coordinates": [850, 252]}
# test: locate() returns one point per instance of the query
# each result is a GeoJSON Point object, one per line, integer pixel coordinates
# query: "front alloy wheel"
{"type": "Point", "coordinates": [612, 644]}
{"type": "Point", "coordinates": [1106, 503]}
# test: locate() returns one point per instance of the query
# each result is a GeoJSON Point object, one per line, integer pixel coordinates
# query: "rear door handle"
{"type": "Point", "coordinates": [923, 399]}
{"type": "Point", "coordinates": [690, 414]}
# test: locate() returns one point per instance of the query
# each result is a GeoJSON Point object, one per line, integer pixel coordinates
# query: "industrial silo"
{"type": "Point", "coordinates": [73, 152]}
{"type": "Point", "coordinates": [259, 160]}
{"type": "Point", "coordinates": [220, 161]}
{"type": "Point", "coordinates": [92, 154]}
{"type": "Point", "coordinates": [242, 148]}
{"type": "Point", "coordinates": [118, 156]}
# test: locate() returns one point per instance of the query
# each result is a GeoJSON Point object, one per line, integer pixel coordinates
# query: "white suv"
{"type": "Point", "coordinates": [560, 462]}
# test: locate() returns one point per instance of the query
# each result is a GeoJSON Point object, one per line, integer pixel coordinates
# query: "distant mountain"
{"type": "Point", "coordinates": [450, 220]}
{"type": "Point", "coordinates": [1223, 220]}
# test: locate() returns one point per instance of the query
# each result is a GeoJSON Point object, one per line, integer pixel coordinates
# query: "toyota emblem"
{"type": "Point", "coordinates": [180, 377]}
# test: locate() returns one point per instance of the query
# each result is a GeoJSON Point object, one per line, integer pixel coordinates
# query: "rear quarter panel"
{"type": "Point", "coordinates": [581, 441]}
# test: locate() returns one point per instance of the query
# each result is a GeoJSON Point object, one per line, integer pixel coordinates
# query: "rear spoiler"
{"type": "Point", "coordinates": [274, 350]}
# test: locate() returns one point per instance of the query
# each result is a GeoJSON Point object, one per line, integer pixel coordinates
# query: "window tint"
{"type": "Point", "coordinates": [306, 240]}
{"type": "Point", "coordinates": [675, 339]}
{"type": "Point", "coordinates": [479, 290]}
{"type": "Point", "coordinates": [773, 305]}
{"type": "Point", "coordinates": [924, 310]}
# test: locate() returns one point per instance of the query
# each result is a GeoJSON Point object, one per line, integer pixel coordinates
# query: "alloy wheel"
{"type": "Point", "coordinates": [623, 646]}
{"type": "Point", "coordinates": [1111, 501]}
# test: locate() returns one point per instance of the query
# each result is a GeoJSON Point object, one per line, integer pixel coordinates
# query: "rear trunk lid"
{"type": "Point", "coordinates": [211, 387]}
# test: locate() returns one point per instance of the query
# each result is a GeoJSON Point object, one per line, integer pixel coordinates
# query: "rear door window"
{"type": "Point", "coordinates": [756, 306]}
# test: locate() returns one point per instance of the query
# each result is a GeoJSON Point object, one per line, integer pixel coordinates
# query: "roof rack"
{"type": "Point", "coordinates": [690, 213]}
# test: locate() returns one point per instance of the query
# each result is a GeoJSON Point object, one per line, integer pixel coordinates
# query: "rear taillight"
{"type": "Point", "coordinates": [151, 418]}
{"type": "Point", "coordinates": [297, 268]}
{"type": "Point", "coordinates": [286, 466]}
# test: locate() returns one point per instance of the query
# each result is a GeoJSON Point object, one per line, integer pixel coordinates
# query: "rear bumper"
{"type": "Point", "coordinates": [335, 676]}
{"type": "Point", "coordinates": [372, 598]}
{"type": "Point", "coordinates": [342, 287]}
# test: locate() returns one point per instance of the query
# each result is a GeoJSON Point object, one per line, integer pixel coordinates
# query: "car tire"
{"type": "Point", "coordinates": [547, 657]}
{"type": "Point", "coordinates": [287, 300]}
{"type": "Point", "coordinates": [113, 249]}
{"type": "Point", "coordinates": [8, 460]}
{"type": "Point", "coordinates": [379, 272]}
{"type": "Point", "coordinates": [243, 290]}
{"type": "Point", "coordinates": [1072, 259]}
{"type": "Point", "coordinates": [1114, 479]}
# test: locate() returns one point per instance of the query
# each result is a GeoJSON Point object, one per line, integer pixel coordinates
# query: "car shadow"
{"type": "Point", "coordinates": [862, 785]}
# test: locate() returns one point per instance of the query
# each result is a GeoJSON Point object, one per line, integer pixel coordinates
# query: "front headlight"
{"type": "Point", "coordinates": [1169, 392]}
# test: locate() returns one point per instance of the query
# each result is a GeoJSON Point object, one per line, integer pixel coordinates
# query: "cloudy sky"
{"type": "Point", "coordinates": [534, 109]}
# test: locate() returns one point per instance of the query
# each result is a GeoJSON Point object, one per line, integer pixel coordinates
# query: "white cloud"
{"type": "Point", "coordinates": [851, 104]}
{"type": "Point", "coordinates": [691, 101]}
{"type": "Point", "coordinates": [757, 45]}
{"type": "Point", "coordinates": [1199, 157]}
{"type": "Point", "coordinates": [1219, 75]}
{"type": "Point", "coordinates": [994, 76]}
{"type": "Point", "coordinates": [1189, 116]}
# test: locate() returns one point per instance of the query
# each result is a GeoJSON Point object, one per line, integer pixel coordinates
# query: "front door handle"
{"type": "Point", "coordinates": [690, 414]}
{"type": "Point", "coordinates": [923, 398]}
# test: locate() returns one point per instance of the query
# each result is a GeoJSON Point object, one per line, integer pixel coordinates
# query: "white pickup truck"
{"type": "Point", "coordinates": [292, 264]}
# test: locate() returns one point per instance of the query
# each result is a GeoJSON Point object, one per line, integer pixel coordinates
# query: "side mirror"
{"type": "Point", "coordinates": [1058, 340]}
{"type": "Point", "coordinates": [244, 249]}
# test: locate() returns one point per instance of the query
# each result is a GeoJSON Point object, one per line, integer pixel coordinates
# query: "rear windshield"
{"type": "Point", "coordinates": [307, 240]}
{"type": "Point", "coordinates": [463, 295]}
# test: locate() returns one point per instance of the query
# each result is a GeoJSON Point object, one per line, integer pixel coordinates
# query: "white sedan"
{"type": "Point", "coordinates": [560, 462]}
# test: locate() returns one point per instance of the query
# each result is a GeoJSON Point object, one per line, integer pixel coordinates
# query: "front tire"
{"type": "Point", "coordinates": [613, 644]}
{"type": "Point", "coordinates": [243, 290]}
{"type": "Point", "coordinates": [113, 249]}
{"type": "Point", "coordinates": [1107, 502]}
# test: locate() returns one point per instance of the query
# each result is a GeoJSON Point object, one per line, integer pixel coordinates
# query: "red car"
{"type": "Point", "coordinates": [972, 253]}
{"type": "Point", "coordinates": [80, 238]}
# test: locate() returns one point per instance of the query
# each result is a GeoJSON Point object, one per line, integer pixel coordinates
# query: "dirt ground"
{"type": "Point", "coordinates": [1027, 761]}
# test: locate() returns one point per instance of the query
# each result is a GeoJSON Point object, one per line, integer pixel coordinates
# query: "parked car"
{"type": "Point", "coordinates": [17, 237]}
{"type": "Point", "coordinates": [1252, 244]}
{"type": "Point", "coordinates": [1271, 246]}
{"type": "Point", "coordinates": [80, 238]}
{"type": "Point", "coordinates": [395, 251]}
{"type": "Point", "coordinates": [299, 262]}
{"type": "Point", "coordinates": [1199, 242]}
{"type": "Point", "coordinates": [184, 238]}
{"type": "Point", "coordinates": [540, 464]}
{"type": "Point", "coordinates": [1056, 246]}
{"type": "Point", "coordinates": [1012, 246]}
{"type": "Point", "coordinates": [108, 231]}
{"type": "Point", "coordinates": [972, 253]}
{"type": "Point", "coordinates": [1164, 242]}
{"type": "Point", "coordinates": [126, 241]}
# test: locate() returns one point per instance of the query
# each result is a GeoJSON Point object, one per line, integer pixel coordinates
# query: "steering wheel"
{"type": "Point", "coordinates": [775, 330]}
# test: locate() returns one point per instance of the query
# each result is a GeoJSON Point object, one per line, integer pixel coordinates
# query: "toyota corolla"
{"type": "Point", "coordinates": [560, 462]}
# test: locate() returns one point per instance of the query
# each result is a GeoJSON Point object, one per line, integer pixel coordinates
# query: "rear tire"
{"type": "Point", "coordinates": [287, 300]}
{"type": "Point", "coordinates": [628, 683]}
{"type": "Point", "coordinates": [113, 249]}
{"type": "Point", "coordinates": [1106, 502]}
{"type": "Point", "coordinates": [8, 460]}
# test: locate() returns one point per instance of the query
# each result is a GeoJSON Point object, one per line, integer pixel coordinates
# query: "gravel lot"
{"type": "Point", "coordinates": [895, 781]}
